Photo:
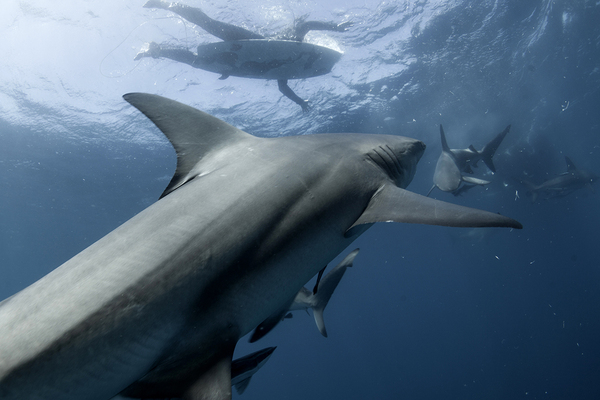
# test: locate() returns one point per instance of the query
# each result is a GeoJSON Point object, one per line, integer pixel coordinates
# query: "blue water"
{"type": "Point", "coordinates": [426, 312]}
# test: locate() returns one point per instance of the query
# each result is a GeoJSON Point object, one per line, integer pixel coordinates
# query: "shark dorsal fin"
{"type": "Point", "coordinates": [472, 148]}
{"type": "Point", "coordinates": [192, 132]}
{"type": "Point", "coordinates": [570, 166]}
{"type": "Point", "coordinates": [445, 146]}
{"type": "Point", "coordinates": [393, 204]}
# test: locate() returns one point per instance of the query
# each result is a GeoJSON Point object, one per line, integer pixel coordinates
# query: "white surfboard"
{"type": "Point", "coordinates": [266, 59]}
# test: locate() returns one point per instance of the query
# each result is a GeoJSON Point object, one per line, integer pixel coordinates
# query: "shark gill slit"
{"type": "Point", "coordinates": [386, 162]}
{"type": "Point", "coordinates": [395, 161]}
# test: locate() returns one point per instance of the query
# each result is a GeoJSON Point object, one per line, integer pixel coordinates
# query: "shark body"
{"type": "Point", "coordinates": [562, 185]}
{"type": "Point", "coordinates": [315, 299]}
{"type": "Point", "coordinates": [452, 163]}
{"type": "Point", "coordinates": [154, 309]}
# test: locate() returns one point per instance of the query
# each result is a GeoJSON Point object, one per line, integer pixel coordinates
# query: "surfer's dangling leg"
{"type": "Point", "coordinates": [177, 54]}
{"type": "Point", "coordinates": [153, 51]}
{"type": "Point", "coordinates": [289, 93]}
{"type": "Point", "coordinates": [196, 16]}
{"type": "Point", "coordinates": [301, 28]}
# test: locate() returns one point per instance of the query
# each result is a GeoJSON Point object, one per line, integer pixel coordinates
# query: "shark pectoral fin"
{"type": "Point", "coordinates": [475, 181]}
{"type": "Point", "coordinates": [192, 132]}
{"type": "Point", "coordinates": [268, 324]}
{"type": "Point", "coordinates": [223, 77]}
{"type": "Point", "coordinates": [214, 384]}
{"type": "Point", "coordinates": [393, 204]}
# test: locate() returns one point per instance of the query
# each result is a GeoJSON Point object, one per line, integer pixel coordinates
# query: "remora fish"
{"type": "Point", "coordinates": [155, 308]}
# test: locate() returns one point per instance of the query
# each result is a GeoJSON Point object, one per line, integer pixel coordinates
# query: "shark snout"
{"type": "Point", "coordinates": [412, 153]}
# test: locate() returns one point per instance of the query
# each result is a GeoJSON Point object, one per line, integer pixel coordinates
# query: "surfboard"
{"type": "Point", "coordinates": [266, 59]}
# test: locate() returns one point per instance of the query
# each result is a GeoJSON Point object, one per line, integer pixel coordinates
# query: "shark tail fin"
{"type": "Point", "coordinates": [326, 288]}
{"type": "Point", "coordinates": [319, 320]}
{"type": "Point", "coordinates": [489, 149]}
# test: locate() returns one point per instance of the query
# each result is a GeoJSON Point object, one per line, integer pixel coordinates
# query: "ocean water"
{"type": "Point", "coordinates": [426, 312]}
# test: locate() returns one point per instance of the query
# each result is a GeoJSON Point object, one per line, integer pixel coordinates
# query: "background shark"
{"type": "Point", "coordinates": [448, 175]}
{"type": "Point", "coordinates": [564, 184]}
{"type": "Point", "coordinates": [316, 299]}
{"type": "Point", "coordinates": [155, 308]}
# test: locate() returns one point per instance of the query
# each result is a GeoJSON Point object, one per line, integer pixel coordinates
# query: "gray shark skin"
{"type": "Point", "coordinates": [451, 165]}
{"type": "Point", "coordinates": [155, 308]}
{"type": "Point", "coordinates": [306, 299]}
{"type": "Point", "coordinates": [566, 183]}
{"type": "Point", "coordinates": [242, 369]}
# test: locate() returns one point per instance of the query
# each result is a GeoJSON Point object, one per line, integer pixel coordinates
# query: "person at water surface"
{"type": "Point", "coordinates": [229, 32]}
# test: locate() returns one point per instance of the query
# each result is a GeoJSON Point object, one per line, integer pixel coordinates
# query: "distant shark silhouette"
{"type": "Point", "coordinates": [306, 299]}
{"type": "Point", "coordinates": [155, 308]}
{"type": "Point", "coordinates": [564, 184]}
{"type": "Point", "coordinates": [451, 165]}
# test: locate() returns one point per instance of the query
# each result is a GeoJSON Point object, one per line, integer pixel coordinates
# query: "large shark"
{"type": "Point", "coordinates": [243, 369]}
{"type": "Point", "coordinates": [316, 299]}
{"type": "Point", "coordinates": [448, 175]}
{"type": "Point", "coordinates": [155, 308]}
{"type": "Point", "coordinates": [564, 184]}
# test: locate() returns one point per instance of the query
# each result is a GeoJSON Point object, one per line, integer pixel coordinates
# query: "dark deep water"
{"type": "Point", "coordinates": [426, 312]}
